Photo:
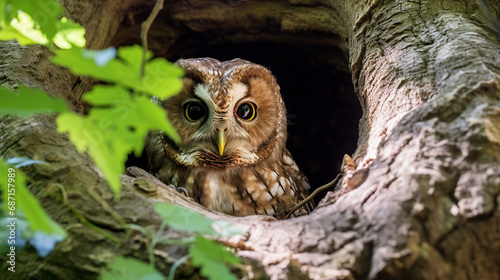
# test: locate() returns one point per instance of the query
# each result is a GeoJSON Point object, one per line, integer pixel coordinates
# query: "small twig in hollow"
{"type": "Point", "coordinates": [311, 196]}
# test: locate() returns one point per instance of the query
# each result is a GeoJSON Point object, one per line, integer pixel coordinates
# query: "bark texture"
{"type": "Point", "coordinates": [427, 74]}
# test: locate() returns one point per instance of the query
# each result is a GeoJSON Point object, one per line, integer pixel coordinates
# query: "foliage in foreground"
{"type": "Point", "coordinates": [211, 257]}
{"type": "Point", "coordinates": [116, 125]}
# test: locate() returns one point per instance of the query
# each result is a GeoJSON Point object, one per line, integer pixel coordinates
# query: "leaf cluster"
{"type": "Point", "coordinates": [120, 118]}
{"type": "Point", "coordinates": [38, 22]}
{"type": "Point", "coordinates": [211, 257]}
{"type": "Point", "coordinates": [121, 115]}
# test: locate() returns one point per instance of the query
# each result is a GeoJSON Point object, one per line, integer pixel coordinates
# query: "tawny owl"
{"type": "Point", "coordinates": [232, 157]}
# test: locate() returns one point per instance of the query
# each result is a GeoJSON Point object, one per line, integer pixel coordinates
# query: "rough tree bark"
{"type": "Point", "coordinates": [427, 74]}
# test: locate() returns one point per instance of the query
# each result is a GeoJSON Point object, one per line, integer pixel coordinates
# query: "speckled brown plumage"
{"type": "Point", "coordinates": [252, 172]}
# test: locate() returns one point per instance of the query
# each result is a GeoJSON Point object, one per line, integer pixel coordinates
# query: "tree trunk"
{"type": "Point", "coordinates": [425, 186]}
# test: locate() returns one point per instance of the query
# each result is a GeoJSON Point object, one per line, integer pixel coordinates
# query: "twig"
{"type": "Point", "coordinates": [152, 245]}
{"type": "Point", "coordinates": [140, 229]}
{"type": "Point", "coordinates": [106, 206]}
{"type": "Point", "coordinates": [180, 261]}
{"type": "Point", "coordinates": [93, 227]}
{"type": "Point", "coordinates": [61, 188]}
{"type": "Point", "coordinates": [322, 188]}
{"type": "Point", "coordinates": [145, 26]}
{"type": "Point", "coordinates": [81, 217]}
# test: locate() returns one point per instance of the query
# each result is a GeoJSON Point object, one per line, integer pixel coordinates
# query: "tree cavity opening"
{"type": "Point", "coordinates": [323, 110]}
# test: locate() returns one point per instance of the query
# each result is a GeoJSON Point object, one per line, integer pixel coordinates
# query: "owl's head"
{"type": "Point", "coordinates": [228, 114]}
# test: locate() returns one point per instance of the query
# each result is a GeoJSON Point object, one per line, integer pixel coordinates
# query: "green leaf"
{"type": "Point", "coordinates": [226, 228]}
{"type": "Point", "coordinates": [87, 134]}
{"type": "Point", "coordinates": [212, 258]}
{"type": "Point", "coordinates": [4, 12]}
{"type": "Point", "coordinates": [129, 269]}
{"type": "Point", "coordinates": [181, 218]}
{"type": "Point", "coordinates": [45, 13]}
{"type": "Point", "coordinates": [161, 79]}
{"type": "Point", "coordinates": [128, 111]}
{"type": "Point", "coordinates": [25, 25]}
{"type": "Point", "coordinates": [25, 102]}
{"type": "Point", "coordinates": [22, 200]}
{"type": "Point", "coordinates": [37, 22]}
{"type": "Point", "coordinates": [116, 126]}
{"type": "Point", "coordinates": [9, 33]}
{"type": "Point", "coordinates": [69, 34]}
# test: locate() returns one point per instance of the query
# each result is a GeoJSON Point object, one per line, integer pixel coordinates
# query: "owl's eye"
{"type": "Point", "coordinates": [246, 111]}
{"type": "Point", "coordinates": [194, 111]}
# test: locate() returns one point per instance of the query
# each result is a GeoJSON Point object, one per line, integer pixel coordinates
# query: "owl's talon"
{"type": "Point", "coordinates": [179, 189]}
{"type": "Point", "coordinates": [183, 190]}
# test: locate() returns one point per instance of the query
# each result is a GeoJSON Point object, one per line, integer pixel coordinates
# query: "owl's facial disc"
{"type": "Point", "coordinates": [232, 115]}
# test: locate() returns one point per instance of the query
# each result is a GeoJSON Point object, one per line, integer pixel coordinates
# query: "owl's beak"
{"type": "Point", "coordinates": [221, 142]}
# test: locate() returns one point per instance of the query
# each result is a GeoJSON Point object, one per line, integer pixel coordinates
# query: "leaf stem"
{"type": "Point", "coordinates": [174, 267]}
{"type": "Point", "coordinates": [93, 227]}
{"type": "Point", "coordinates": [154, 241]}
{"type": "Point", "coordinates": [145, 26]}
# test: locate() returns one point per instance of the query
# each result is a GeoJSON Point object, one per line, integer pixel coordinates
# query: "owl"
{"type": "Point", "coordinates": [232, 125]}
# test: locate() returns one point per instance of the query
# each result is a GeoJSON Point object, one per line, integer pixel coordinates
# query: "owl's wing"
{"type": "Point", "coordinates": [301, 186]}
{"type": "Point", "coordinates": [155, 151]}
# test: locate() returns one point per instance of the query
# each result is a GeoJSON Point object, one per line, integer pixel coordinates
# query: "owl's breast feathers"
{"type": "Point", "coordinates": [244, 191]}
